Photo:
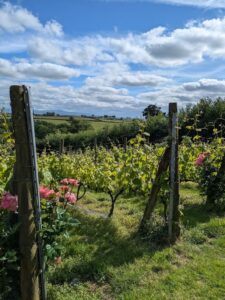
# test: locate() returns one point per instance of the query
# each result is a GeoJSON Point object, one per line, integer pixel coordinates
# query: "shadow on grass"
{"type": "Point", "coordinates": [137, 203]}
{"type": "Point", "coordinates": [98, 245]}
{"type": "Point", "coordinates": [194, 214]}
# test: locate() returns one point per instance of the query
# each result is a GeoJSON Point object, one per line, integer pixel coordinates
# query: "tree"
{"type": "Point", "coordinates": [151, 110]}
{"type": "Point", "coordinates": [207, 116]}
{"type": "Point", "coordinates": [157, 127]}
{"type": "Point", "coordinates": [78, 125]}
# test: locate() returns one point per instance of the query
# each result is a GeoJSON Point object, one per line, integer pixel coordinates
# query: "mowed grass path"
{"type": "Point", "coordinates": [105, 259]}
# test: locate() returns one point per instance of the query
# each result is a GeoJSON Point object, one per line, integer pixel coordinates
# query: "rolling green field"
{"type": "Point", "coordinates": [106, 259]}
{"type": "Point", "coordinates": [95, 123]}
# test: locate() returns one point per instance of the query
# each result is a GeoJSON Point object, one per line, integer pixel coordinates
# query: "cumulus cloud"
{"type": "Point", "coordinates": [186, 93]}
{"type": "Point", "coordinates": [208, 86]}
{"type": "Point", "coordinates": [85, 51]}
{"type": "Point", "coordinates": [100, 99]}
{"type": "Point", "coordinates": [16, 19]}
{"type": "Point", "coordinates": [70, 99]}
{"type": "Point", "coordinates": [26, 69]}
{"type": "Point", "coordinates": [115, 74]}
{"type": "Point", "coordinates": [192, 44]}
{"type": "Point", "coordinates": [158, 47]}
{"type": "Point", "coordinates": [43, 53]}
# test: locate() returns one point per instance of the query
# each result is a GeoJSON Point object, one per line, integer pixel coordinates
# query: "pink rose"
{"type": "Point", "coordinates": [64, 188]}
{"type": "Point", "coordinates": [43, 191]}
{"type": "Point", "coordinates": [64, 181]}
{"type": "Point", "coordinates": [9, 202]}
{"type": "Point", "coordinates": [46, 193]}
{"type": "Point", "coordinates": [50, 194]}
{"type": "Point", "coordinates": [201, 158]}
{"type": "Point", "coordinates": [73, 182]}
{"type": "Point", "coordinates": [70, 197]}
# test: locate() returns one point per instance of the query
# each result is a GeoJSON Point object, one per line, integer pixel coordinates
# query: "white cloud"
{"type": "Point", "coordinates": [100, 99]}
{"type": "Point", "coordinates": [158, 47]}
{"type": "Point", "coordinates": [207, 86]}
{"type": "Point", "coordinates": [43, 53]}
{"type": "Point", "coordinates": [84, 51]}
{"type": "Point", "coordinates": [53, 28]}
{"type": "Point", "coordinates": [68, 98]}
{"type": "Point", "coordinates": [186, 93]}
{"type": "Point", "coordinates": [198, 3]}
{"type": "Point", "coordinates": [191, 44]}
{"type": "Point", "coordinates": [15, 19]}
{"type": "Point", "coordinates": [25, 69]}
{"type": "Point", "coordinates": [115, 74]}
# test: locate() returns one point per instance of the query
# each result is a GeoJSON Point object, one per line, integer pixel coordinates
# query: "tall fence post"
{"type": "Point", "coordinates": [70, 149]}
{"type": "Point", "coordinates": [96, 151]}
{"type": "Point", "coordinates": [61, 146]}
{"type": "Point", "coordinates": [125, 144]}
{"type": "Point", "coordinates": [174, 214]}
{"type": "Point", "coordinates": [28, 196]}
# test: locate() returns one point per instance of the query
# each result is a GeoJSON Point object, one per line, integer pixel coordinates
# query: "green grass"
{"type": "Point", "coordinates": [54, 120]}
{"type": "Point", "coordinates": [95, 123]}
{"type": "Point", "coordinates": [106, 259]}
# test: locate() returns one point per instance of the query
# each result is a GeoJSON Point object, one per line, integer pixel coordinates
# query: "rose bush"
{"type": "Point", "coordinates": [56, 218]}
{"type": "Point", "coordinates": [208, 165]}
{"type": "Point", "coordinates": [9, 261]}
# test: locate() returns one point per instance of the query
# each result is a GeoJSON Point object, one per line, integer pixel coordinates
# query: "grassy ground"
{"type": "Point", "coordinates": [105, 259]}
{"type": "Point", "coordinates": [95, 123]}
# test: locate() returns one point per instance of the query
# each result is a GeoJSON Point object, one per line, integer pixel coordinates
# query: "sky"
{"type": "Point", "coordinates": [112, 57]}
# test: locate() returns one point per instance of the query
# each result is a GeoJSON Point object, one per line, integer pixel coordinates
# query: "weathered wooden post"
{"type": "Point", "coordinates": [125, 144]}
{"type": "Point", "coordinates": [61, 146]}
{"type": "Point", "coordinates": [26, 184]}
{"type": "Point", "coordinates": [174, 201]}
{"type": "Point", "coordinates": [70, 149]}
{"type": "Point", "coordinates": [96, 151]}
{"type": "Point", "coordinates": [149, 208]}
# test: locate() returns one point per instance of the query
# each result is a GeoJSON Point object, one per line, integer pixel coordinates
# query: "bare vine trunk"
{"type": "Point", "coordinates": [113, 201]}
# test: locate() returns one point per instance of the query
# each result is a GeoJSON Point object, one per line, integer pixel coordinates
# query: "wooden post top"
{"type": "Point", "coordinates": [172, 107]}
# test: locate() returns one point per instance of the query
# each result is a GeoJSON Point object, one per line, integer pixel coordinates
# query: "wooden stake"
{"type": "Point", "coordinates": [125, 144]}
{"type": "Point", "coordinates": [61, 146]}
{"type": "Point", "coordinates": [163, 166]}
{"type": "Point", "coordinates": [29, 274]}
{"type": "Point", "coordinates": [174, 214]}
{"type": "Point", "coordinates": [96, 151]}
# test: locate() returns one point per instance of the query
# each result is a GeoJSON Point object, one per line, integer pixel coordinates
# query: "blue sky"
{"type": "Point", "coordinates": [112, 57]}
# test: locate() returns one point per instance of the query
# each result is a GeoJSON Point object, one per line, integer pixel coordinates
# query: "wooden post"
{"type": "Point", "coordinates": [163, 166]}
{"type": "Point", "coordinates": [125, 144]}
{"type": "Point", "coordinates": [29, 273]}
{"type": "Point", "coordinates": [70, 149]}
{"type": "Point", "coordinates": [96, 152]}
{"type": "Point", "coordinates": [61, 146]}
{"type": "Point", "coordinates": [174, 214]}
